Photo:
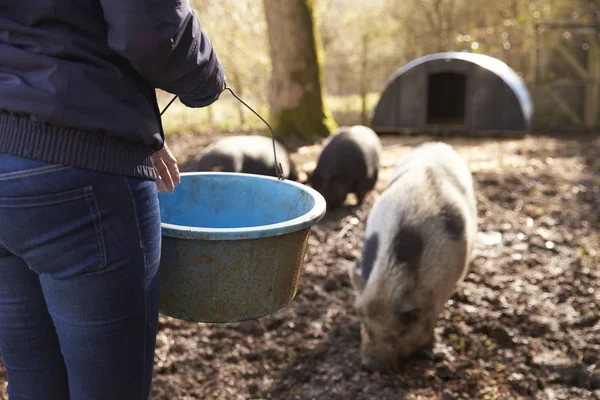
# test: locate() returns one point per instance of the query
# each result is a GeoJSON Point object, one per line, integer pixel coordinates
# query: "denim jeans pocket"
{"type": "Point", "coordinates": [58, 234]}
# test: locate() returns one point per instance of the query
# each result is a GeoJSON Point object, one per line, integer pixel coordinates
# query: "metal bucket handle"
{"type": "Point", "coordinates": [278, 168]}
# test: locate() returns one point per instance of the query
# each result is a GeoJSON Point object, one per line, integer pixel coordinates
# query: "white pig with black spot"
{"type": "Point", "coordinates": [417, 246]}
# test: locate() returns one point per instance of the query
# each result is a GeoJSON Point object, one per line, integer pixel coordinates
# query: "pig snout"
{"type": "Point", "coordinates": [376, 354]}
{"type": "Point", "coordinates": [369, 364]}
{"type": "Point", "coordinates": [332, 190]}
{"type": "Point", "coordinates": [390, 341]}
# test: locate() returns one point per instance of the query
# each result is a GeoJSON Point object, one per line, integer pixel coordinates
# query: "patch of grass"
{"type": "Point", "coordinates": [224, 115]}
{"type": "Point", "coordinates": [347, 109]}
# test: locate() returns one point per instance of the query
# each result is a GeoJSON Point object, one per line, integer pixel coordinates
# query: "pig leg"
{"type": "Point", "coordinates": [373, 180]}
{"type": "Point", "coordinates": [361, 188]}
{"type": "Point", "coordinates": [361, 192]}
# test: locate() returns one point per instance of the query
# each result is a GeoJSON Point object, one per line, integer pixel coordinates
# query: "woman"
{"type": "Point", "coordinates": [81, 145]}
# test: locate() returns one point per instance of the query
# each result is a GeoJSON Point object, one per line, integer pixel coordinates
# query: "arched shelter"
{"type": "Point", "coordinates": [454, 91]}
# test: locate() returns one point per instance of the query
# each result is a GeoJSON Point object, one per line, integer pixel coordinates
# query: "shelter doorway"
{"type": "Point", "coordinates": [446, 98]}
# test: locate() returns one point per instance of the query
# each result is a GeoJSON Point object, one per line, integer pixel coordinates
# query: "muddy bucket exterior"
{"type": "Point", "coordinates": [233, 245]}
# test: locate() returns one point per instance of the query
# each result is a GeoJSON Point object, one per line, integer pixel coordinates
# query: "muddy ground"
{"type": "Point", "coordinates": [525, 324]}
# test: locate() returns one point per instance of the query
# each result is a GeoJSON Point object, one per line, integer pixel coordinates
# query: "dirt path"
{"type": "Point", "coordinates": [524, 324]}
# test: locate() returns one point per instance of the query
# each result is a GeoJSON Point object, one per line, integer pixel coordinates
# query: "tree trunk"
{"type": "Point", "coordinates": [240, 92]}
{"type": "Point", "coordinates": [363, 79]}
{"type": "Point", "coordinates": [297, 106]}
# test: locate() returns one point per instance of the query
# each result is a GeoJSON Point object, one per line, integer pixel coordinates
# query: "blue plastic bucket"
{"type": "Point", "coordinates": [233, 245]}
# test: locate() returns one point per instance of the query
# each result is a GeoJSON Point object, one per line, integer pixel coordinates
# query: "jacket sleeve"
{"type": "Point", "coordinates": [164, 42]}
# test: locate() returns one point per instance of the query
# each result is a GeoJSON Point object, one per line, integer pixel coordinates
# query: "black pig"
{"type": "Point", "coordinates": [348, 163]}
{"type": "Point", "coordinates": [251, 154]}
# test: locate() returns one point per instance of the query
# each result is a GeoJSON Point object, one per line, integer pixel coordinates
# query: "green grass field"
{"type": "Point", "coordinates": [224, 115]}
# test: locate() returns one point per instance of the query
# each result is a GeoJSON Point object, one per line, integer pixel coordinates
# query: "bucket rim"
{"type": "Point", "coordinates": [306, 220]}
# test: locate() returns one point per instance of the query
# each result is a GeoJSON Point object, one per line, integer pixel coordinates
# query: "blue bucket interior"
{"type": "Point", "coordinates": [213, 205]}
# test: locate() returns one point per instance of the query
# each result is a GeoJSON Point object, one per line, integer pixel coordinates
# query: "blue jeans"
{"type": "Point", "coordinates": [79, 256]}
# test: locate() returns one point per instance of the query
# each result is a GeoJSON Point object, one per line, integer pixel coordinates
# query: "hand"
{"type": "Point", "coordinates": [166, 168]}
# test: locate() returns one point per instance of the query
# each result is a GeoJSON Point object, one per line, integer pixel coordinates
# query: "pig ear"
{"type": "Point", "coordinates": [358, 283]}
{"type": "Point", "coordinates": [407, 310]}
{"type": "Point", "coordinates": [407, 306]}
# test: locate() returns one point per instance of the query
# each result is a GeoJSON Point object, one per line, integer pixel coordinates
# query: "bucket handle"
{"type": "Point", "coordinates": [278, 168]}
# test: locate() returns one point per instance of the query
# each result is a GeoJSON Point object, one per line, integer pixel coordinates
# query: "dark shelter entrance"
{"type": "Point", "coordinates": [446, 98]}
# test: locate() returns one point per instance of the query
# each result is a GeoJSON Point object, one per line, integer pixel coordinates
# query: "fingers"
{"type": "Point", "coordinates": [169, 159]}
{"type": "Point", "coordinates": [167, 171]}
{"type": "Point", "coordinates": [160, 186]}
{"type": "Point", "coordinates": [164, 174]}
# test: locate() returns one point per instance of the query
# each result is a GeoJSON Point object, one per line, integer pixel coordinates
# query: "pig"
{"type": "Point", "coordinates": [348, 163]}
{"type": "Point", "coordinates": [417, 247]}
{"type": "Point", "coordinates": [251, 154]}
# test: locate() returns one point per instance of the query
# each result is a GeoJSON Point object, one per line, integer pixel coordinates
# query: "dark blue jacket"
{"type": "Point", "coordinates": [77, 78]}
